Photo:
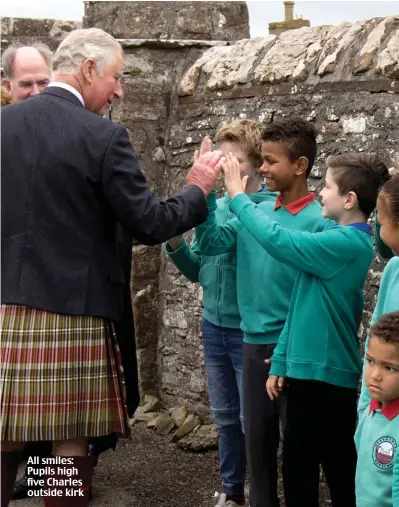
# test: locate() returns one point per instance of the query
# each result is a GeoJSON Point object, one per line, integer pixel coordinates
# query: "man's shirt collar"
{"type": "Point", "coordinates": [69, 88]}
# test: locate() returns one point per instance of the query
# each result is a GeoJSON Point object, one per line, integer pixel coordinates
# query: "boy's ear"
{"type": "Point", "coordinates": [301, 166]}
{"type": "Point", "coordinates": [351, 200]}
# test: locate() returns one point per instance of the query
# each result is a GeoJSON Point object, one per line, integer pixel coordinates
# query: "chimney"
{"type": "Point", "coordinates": [289, 10]}
{"type": "Point", "coordinates": [278, 27]}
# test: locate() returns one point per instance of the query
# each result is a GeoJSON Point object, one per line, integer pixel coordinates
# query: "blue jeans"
{"type": "Point", "coordinates": [224, 355]}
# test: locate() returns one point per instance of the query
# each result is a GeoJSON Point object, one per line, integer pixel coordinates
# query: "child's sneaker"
{"type": "Point", "coordinates": [227, 503]}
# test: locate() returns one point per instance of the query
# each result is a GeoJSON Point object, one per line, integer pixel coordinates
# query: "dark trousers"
{"type": "Point", "coordinates": [262, 426]}
{"type": "Point", "coordinates": [319, 430]}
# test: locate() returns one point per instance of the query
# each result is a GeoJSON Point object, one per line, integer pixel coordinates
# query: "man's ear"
{"type": "Point", "coordinates": [301, 166]}
{"type": "Point", "coordinates": [89, 69]}
{"type": "Point", "coordinates": [7, 84]}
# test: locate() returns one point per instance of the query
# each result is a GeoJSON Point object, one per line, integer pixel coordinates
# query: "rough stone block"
{"type": "Point", "coordinates": [339, 38]}
{"type": "Point", "coordinates": [153, 423]}
{"type": "Point", "coordinates": [189, 424]}
{"type": "Point", "coordinates": [164, 425]}
{"type": "Point", "coordinates": [179, 415]}
{"type": "Point", "coordinates": [145, 417]}
{"type": "Point", "coordinates": [151, 404]}
{"type": "Point", "coordinates": [203, 439]}
{"type": "Point", "coordinates": [170, 20]}
{"type": "Point", "coordinates": [284, 57]}
{"type": "Point", "coordinates": [388, 60]}
{"type": "Point", "coordinates": [373, 43]}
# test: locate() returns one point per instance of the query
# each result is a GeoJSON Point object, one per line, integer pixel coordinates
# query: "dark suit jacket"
{"type": "Point", "coordinates": [125, 329]}
{"type": "Point", "coordinates": [68, 177]}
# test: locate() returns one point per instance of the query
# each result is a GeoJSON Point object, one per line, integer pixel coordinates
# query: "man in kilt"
{"type": "Point", "coordinates": [69, 176]}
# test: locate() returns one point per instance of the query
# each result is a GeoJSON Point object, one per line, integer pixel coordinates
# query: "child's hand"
{"type": "Point", "coordinates": [274, 386]}
{"type": "Point", "coordinates": [232, 176]}
{"type": "Point", "coordinates": [394, 171]}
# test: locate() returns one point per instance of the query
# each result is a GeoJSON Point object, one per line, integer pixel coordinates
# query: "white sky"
{"type": "Point", "coordinates": [320, 12]}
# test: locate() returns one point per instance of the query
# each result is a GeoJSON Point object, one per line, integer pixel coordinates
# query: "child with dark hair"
{"type": "Point", "coordinates": [374, 483]}
{"type": "Point", "coordinates": [264, 287]}
{"type": "Point", "coordinates": [297, 138]}
{"type": "Point", "coordinates": [318, 350]}
{"type": "Point", "coordinates": [377, 435]}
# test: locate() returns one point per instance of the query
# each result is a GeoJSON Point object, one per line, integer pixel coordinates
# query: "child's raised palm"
{"type": "Point", "coordinates": [232, 176]}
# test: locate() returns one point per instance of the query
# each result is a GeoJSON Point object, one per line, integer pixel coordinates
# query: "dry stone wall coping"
{"type": "Point", "coordinates": [303, 60]}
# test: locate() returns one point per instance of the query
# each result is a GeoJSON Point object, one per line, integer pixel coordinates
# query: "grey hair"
{"type": "Point", "coordinates": [9, 55]}
{"type": "Point", "coordinates": [82, 44]}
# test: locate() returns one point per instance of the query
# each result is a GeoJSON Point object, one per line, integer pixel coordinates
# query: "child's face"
{"type": "Point", "coordinates": [389, 232]}
{"type": "Point", "coordinates": [277, 169]}
{"type": "Point", "coordinates": [382, 370]}
{"type": "Point", "coordinates": [333, 203]}
{"type": "Point", "coordinates": [246, 165]}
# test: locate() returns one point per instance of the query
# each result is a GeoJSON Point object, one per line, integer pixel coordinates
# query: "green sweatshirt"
{"type": "Point", "coordinates": [377, 444]}
{"type": "Point", "coordinates": [319, 340]}
{"type": "Point", "coordinates": [377, 476]}
{"type": "Point", "coordinates": [216, 273]}
{"type": "Point", "coordinates": [388, 301]}
{"type": "Point", "coordinates": [264, 285]}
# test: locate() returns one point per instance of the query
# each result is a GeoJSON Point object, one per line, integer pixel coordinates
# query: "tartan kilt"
{"type": "Point", "coordinates": [61, 376]}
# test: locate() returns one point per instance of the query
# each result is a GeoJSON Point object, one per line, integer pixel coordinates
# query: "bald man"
{"type": "Point", "coordinates": [27, 70]}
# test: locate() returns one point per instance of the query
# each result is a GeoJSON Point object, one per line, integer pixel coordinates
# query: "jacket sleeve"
{"type": "Point", "coordinates": [142, 214]}
{"type": "Point", "coordinates": [187, 259]}
{"type": "Point", "coordinates": [214, 239]}
{"type": "Point", "coordinates": [279, 357]}
{"type": "Point", "coordinates": [382, 248]}
{"type": "Point", "coordinates": [298, 249]}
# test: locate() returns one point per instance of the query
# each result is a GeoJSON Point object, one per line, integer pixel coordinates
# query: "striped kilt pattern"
{"type": "Point", "coordinates": [61, 376]}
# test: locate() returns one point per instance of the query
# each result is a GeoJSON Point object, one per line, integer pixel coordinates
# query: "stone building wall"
{"type": "Point", "coordinates": [345, 79]}
{"type": "Point", "coordinates": [26, 31]}
{"type": "Point", "coordinates": [227, 21]}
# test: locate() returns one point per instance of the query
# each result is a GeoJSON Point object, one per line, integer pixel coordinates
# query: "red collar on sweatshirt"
{"type": "Point", "coordinates": [295, 207]}
{"type": "Point", "coordinates": [390, 411]}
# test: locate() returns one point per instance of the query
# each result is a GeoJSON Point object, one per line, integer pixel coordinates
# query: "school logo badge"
{"type": "Point", "coordinates": [384, 451]}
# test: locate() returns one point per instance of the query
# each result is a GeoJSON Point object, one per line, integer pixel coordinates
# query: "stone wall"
{"type": "Point", "coordinates": [345, 79]}
{"type": "Point", "coordinates": [170, 20]}
{"type": "Point", "coordinates": [26, 31]}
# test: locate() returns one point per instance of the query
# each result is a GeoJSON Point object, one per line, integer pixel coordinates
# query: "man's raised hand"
{"type": "Point", "coordinates": [205, 171]}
